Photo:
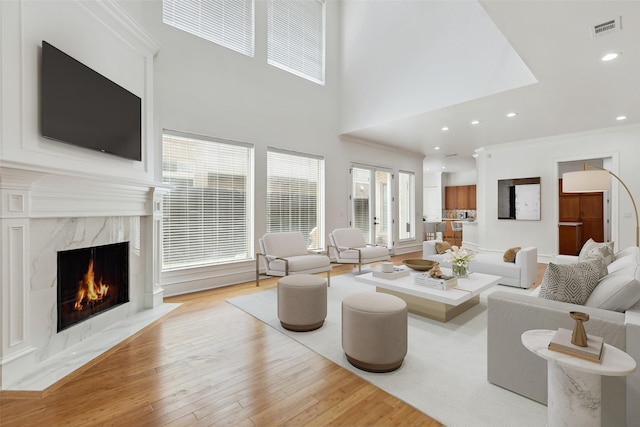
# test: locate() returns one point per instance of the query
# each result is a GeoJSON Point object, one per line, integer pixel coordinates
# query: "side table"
{"type": "Point", "coordinates": [574, 384]}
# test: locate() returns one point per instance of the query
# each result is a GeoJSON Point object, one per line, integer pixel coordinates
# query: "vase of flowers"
{"type": "Point", "coordinates": [460, 258]}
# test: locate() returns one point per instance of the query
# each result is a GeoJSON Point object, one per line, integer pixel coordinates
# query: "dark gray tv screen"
{"type": "Point", "coordinates": [82, 107]}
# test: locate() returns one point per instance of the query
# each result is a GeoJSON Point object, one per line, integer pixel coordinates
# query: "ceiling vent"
{"type": "Point", "coordinates": [604, 28]}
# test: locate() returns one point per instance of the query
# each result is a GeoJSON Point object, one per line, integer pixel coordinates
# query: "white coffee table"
{"type": "Point", "coordinates": [434, 303]}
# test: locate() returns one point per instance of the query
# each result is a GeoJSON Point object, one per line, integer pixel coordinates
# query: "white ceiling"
{"type": "Point", "coordinates": [575, 92]}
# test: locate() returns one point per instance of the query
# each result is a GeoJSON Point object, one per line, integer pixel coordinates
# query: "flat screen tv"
{"type": "Point", "coordinates": [82, 107]}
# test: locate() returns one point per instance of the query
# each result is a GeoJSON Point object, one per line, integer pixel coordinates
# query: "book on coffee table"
{"type": "Point", "coordinates": [561, 342]}
{"type": "Point", "coordinates": [443, 282]}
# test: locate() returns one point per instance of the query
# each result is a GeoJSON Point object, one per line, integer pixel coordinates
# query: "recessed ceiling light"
{"type": "Point", "coordinates": [512, 114]}
{"type": "Point", "coordinates": [445, 128]}
{"type": "Point", "coordinates": [444, 167]}
{"type": "Point", "coordinates": [620, 118]}
{"type": "Point", "coordinates": [436, 148]}
{"type": "Point", "coordinates": [610, 56]}
{"type": "Point", "coordinates": [475, 122]}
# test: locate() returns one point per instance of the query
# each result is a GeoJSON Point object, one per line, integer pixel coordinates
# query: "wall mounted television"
{"type": "Point", "coordinates": [82, 107]}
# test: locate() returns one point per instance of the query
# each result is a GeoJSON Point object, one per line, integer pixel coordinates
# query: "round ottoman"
{"type": "Point", "coordinates": [302, 302]}
{"type": "Point", "coordinates": [374, 331]}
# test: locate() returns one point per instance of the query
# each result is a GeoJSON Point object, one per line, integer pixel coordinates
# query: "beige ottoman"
{"type": "Point", "coordinates": [302, 302]}
{"type": "Point", "coordinates": [374, 331]}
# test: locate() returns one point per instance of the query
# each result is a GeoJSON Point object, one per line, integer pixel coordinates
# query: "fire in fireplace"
{"type": "Point", "coordinates": [91, 281]}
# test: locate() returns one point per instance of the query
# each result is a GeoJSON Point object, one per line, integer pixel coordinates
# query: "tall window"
{"type": "Point", "coordinates": [296, 37]}
{"type": "Point", "coordinates": [208, 212]}
{"type": "Point", "coordinates": [407, 205]}
{"type": "Point", "coordinates": [228, 23]}
{"type": "Point", "coordinates": [295, 195]}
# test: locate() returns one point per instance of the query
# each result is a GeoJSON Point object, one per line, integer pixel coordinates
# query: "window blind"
{"type": "Point", "coordinates": [296, 39]}
{"type": "Point", "coordinates": [229, 23]}
{"type": "Point", "coordinates": [295, 195]}
{"type": "Point", "coordinates": [207, 216]}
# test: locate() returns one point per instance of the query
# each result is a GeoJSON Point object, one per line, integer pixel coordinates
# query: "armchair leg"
{"type": "Point", "coordinates": [328, 278]}
{"type": "Point", "coordinates": [257, 270]}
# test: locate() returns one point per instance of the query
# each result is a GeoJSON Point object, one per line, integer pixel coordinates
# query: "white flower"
{"type": "Point", "coordinates": [460, 256]}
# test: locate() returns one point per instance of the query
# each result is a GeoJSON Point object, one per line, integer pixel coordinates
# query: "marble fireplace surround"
{"type": "Point", "coordinates": [43, 213]}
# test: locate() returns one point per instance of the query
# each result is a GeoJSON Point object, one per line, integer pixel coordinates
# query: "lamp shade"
{"type": "Point", "coordinates": [585, 181]}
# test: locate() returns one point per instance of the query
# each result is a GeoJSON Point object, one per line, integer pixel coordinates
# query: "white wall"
{"type": "Point", "coordinates": [383, 157]}
{"type": "Point", "coordinates": [459, 178]}
{"type": "Point", "coordinates": [541, 157]}
{"type": "Point", "coordinates": [207, 89]}
{"type": "Point", "coordinates": [91, 33]}
{"type": "Point", "coordinates": [402, 58]}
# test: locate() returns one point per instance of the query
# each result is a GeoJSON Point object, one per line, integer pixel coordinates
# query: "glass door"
{"type": "Point", "coordinates": [371, 203]}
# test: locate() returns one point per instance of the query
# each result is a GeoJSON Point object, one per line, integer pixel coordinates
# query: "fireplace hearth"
{"type": "Point", "coordinates": [91, 281]}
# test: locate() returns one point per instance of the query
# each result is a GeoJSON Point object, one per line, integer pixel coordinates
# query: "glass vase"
{"type": "Point", "coordinates": [460, 270]}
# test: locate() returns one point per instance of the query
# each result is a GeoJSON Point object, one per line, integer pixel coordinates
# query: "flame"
{"type": "Point", "coordinates": [88, 290]}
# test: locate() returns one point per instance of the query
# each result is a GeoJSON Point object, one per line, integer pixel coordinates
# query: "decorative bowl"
{"type": "Point", "coordinates": [420, 264]}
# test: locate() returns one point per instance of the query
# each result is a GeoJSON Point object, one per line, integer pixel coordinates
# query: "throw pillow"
{"type": "Point", "coordinates": [571, 283]}
{"type": "Point", "coordinates": [616, 291]}
{"type": "Point", "coordinates": [510, 254]}
{"type": "Point", "coordinates": [593, 249]}
{"type": "Point", "coordinates": [441, 247]}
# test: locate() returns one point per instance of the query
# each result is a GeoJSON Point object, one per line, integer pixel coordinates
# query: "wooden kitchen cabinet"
{"type": "Point", "coordinates": [584, 208]}
{"type": "Point", "coordinates": [472, 197]}
{"type": "Point", "coordinates": [570, 238]}
{"type": "Point", "coordinates": [450, 198]}
{"type": "Point", "coordinates": [460, 197]}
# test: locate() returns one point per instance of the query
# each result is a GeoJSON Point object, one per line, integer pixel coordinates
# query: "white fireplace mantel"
{"type": "Point", "coordinates": [43, 212]}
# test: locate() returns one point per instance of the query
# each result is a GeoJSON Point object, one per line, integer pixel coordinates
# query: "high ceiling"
{"type": "Point", "coordinates": [576, 91]}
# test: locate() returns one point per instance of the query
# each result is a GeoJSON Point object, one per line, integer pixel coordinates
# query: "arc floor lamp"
{"type": "Point", "coordinates": [594, 181]}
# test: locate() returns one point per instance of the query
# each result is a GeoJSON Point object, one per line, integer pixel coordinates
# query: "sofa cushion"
{"type": "Point", "coordinates": [510, 254]}
{"type": "Point", "coordinates": [493, 264]}
{"type": "Point", "coordinates": [367, 253]}
{"type": "Point", "coordinates": [349, 238]}
{"type": "Point", "coordinates": [623, 263]}
{"type": "Point", "coordinates": [616, 291]}
{"type": "Point", "coordinates": [633, 251]}
{"type": "Point", "coordinates": [429, 248]}
{"type": "Point", "coordinates": [572, 283]}
{"type": "Point", "coordinates": [284, 244]}
{"type": "Point", "coordinates": [301, 263]}
{"type": "Point", "coordinates": [593, 249]}
{"type": "Point", "coordinates": [441, 247]}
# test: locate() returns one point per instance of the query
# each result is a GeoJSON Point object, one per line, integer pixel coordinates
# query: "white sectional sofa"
{"type": "Point", "coordinates": [511, 366]}
{"type": "Point", "coordinates": [522, 273]}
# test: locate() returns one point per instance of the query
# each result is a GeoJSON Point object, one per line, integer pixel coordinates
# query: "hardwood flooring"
{"type": "Point", "coordinates": [209, 363]}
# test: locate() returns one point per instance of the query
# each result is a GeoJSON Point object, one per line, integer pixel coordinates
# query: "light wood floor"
{"type": "Point", "coordinates": [209, 363]}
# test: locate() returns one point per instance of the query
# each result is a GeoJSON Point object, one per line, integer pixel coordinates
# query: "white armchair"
{"type": "Point", "coordinates": [347, 246]}
{"type": "Point", "coordinates": [286, 253]}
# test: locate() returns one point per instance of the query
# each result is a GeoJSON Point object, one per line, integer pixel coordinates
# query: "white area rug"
{"type": "Point", "coordinates": [444, 373]}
